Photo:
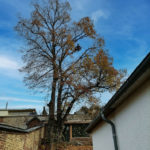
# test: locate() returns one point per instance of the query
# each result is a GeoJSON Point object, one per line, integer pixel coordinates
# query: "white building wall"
{"type": "Point", "coordinates": [132, 120]}
{"type": "Point", "coordinates": [3, 113]}
{"type": "Point", "coordinates": [102, 138]}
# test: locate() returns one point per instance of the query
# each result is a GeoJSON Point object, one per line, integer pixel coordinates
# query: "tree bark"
{"type": "Point", "coordinates": [51, 119]}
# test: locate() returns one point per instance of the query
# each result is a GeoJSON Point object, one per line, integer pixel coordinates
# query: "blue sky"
{"type": "Point", "coordinates": [125, 26]}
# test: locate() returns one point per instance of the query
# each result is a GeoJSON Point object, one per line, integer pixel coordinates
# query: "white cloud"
{"type": "Point", "coordinates": [8, 63]}
{"type": "Point", "coordinates": [20, 100]}
{"type": "Point", "coordinates": [9, 66]}
{"type": "Point", "coordinates": [99, 14]}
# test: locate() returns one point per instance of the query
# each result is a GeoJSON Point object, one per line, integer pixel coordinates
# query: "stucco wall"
{"type": "Point", "coordinates": [21, 141]}
{"type": "Point", "coordinates": [132, 121]}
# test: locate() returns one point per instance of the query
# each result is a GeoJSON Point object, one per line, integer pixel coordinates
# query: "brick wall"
{"type": "Point", "coordinates": [21, 141]}
{"type": "Point", "coordinates": [71, 147]}
{"type": "Point", "coordinates": [79, 148]}
{"type": "Point", "coordinates": [81, 141]}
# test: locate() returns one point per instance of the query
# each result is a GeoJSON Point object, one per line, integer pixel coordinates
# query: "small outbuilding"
{"type": "Point", "coordinates": [128, 112]}
{"type": "Point", "coordinates": [18, 112]}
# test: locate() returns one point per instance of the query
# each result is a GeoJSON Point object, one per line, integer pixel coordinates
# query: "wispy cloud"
{"type": "Point", "coordinates": [8, 63]}
{"type": "Point", "coordinates": [20, 100]}
{"type": "Point", "coordinates": [9, 67]}
{"type": "Point", "coordinates": [96, 15]}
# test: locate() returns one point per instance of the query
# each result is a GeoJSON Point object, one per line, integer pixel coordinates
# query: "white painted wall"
{"type": "Point", "coordinates": [3, 112]}
{"type": "Point", "coordinates": [19, 113]}
{"type": "Point", "coordinates": [132, 120]}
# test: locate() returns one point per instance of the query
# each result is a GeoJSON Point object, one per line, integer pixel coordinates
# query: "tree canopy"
{"type": "Point", "coordinates": [59, 63]}
{"type": "Point", "coordinates": [91, 111]}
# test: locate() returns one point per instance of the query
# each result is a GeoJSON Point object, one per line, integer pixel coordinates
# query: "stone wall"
{"type": "Point", "coordinates": [21, 141]}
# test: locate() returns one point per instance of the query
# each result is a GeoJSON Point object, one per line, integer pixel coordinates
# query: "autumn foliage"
{"type": "Point", "coordinates": [60, 64]}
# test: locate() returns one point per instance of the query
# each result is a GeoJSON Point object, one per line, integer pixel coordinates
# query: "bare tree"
{"type": "Point", "coordinates": [60, 64]}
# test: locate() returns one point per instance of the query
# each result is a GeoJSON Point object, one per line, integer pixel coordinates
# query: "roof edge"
{"type": "Point", "coordinates": [136, 74]}
{"type": "Point", "coordinates": [5, 127]}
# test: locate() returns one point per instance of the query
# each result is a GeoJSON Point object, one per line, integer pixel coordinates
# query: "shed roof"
{"type": "Point", "coordinates": [141, 73]}
{"type": "Point", "coordinates": [22, 110]}
{"type": "Point", "coordinates": [5, 127]}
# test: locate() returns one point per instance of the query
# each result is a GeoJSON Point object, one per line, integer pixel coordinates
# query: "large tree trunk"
{"type": "Point", "coordinates": [51, 120]}
{"type": "Point", "coordinates": [59, 102]}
